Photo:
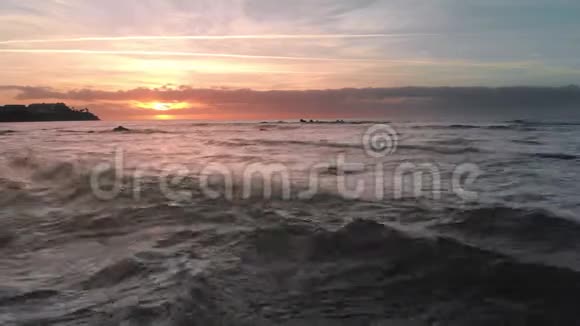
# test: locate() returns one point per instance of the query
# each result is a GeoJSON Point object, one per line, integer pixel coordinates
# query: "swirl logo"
{"type": "Point", "coordinates": [380, 140]}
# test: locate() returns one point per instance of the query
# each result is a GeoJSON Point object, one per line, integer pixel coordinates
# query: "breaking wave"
{"type": "Point", "coordinates": [362, 273]}
{"type": "Point", "coordinates": [533, 226]}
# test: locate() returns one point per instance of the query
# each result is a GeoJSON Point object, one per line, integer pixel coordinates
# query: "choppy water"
{"type": "Point", "coordinates": [510, 256]}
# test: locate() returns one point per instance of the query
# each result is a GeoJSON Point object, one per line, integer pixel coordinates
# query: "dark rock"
{"type": "Point", "coordinates": [121, 129]}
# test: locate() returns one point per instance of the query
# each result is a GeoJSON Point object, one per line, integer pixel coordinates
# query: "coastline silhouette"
{"type": "Point", "coordinates": [44, 112]}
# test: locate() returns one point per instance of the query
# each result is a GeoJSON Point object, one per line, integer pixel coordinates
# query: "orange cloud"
{"type": "Point", "coordinates": [185, 102]}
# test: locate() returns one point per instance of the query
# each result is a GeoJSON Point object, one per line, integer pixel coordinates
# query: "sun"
{"type": "Point", "coordinates": [161, 106]}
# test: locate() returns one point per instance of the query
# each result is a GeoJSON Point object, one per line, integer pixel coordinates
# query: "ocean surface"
{"type": "Point", "coordinates": [170, 223]}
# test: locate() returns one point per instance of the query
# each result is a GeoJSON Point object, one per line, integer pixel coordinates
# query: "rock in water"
{"type": "Point", "coordinates": [121, 129]}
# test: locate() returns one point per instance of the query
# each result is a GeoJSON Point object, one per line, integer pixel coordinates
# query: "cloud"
{"type": "Point", "coordinates": [214, 37]}
{"type": "Point", "coordinates": [307, 11]}
{"type": "Point", "coordinates": [385, 62]}
{"type": "Point", "coordinates": [394, 43]}
{"type": "Point", "coordinates": [189, 54]}
{"type": "Point", "coordinates": [331, 103]}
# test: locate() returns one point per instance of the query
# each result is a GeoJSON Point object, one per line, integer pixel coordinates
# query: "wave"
{"type": "Point", "coordinates": [460, 126]}
{"type": "Point", "coordinates": [448, 150]}
{"type": "Point", "coordinates": [342, 122]}
{"type": "Point", "coordinates": [320, 143]}
{"type": "Point", "coordinates": [289, 271]}
{"type": "Point", "coordinates": [6, 132]}
{"type": "Point", "coordinates": [16, 298]}
{"type": "Point", "coordinates": [498, 127]}
{"type": "Point", "coordinates": [457, 141]}
{"type": "Point", "coordinates": [364, 122]}
{"type": "Point", "coordinates": [131, 131]}
{"type": "Point", "coordinates": [529, 234]}
{"type": "Point", "coordinates": [556, 156]}
{"type": "Point", "coordinates": [278, 127]}
{"type": "Point", "coordinates": [543, 123]}
{"type": "Point", "coordinates": [452, 126]}
{"type": "Point", "coordinates": [538, 228]}
{"type": "Point", "coordinates": [68, 131]}
{"type": "Point", "coordinates": [466, 127]}
{"type": "Point", "coordinates": [527, 141]}
{"type": "Point", "coordinates": [520, 125]}
{"type": "Point", "coordinates": [28, 177]}
{"type": "Point", "coordinates": [428, 148]}
{"type": "Point", "coordinates": [141, 131]}
{"type": "Point", "coordinates": [115, 273]}
{"type": "Point", "coordinates": [362, 273]}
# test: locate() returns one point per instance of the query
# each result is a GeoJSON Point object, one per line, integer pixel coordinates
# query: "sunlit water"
{"type": "Point", "coordinates": [143, 257]}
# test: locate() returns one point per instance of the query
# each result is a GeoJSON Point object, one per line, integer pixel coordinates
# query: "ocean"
{"type": "Point", "coordinates": [288, 223]}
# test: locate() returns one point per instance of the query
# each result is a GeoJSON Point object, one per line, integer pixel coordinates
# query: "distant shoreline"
{"type": "Point", "coordinates": [44, 112]}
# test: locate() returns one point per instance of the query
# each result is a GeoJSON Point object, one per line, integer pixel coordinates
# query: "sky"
{"type": "Point", "coordinates": [147, 59]}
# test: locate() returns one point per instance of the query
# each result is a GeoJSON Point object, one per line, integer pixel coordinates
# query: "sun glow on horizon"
{"type": "Point", "coordinates": [164, 117]}
{"type": "Point", "coordinates": [163, 106]}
